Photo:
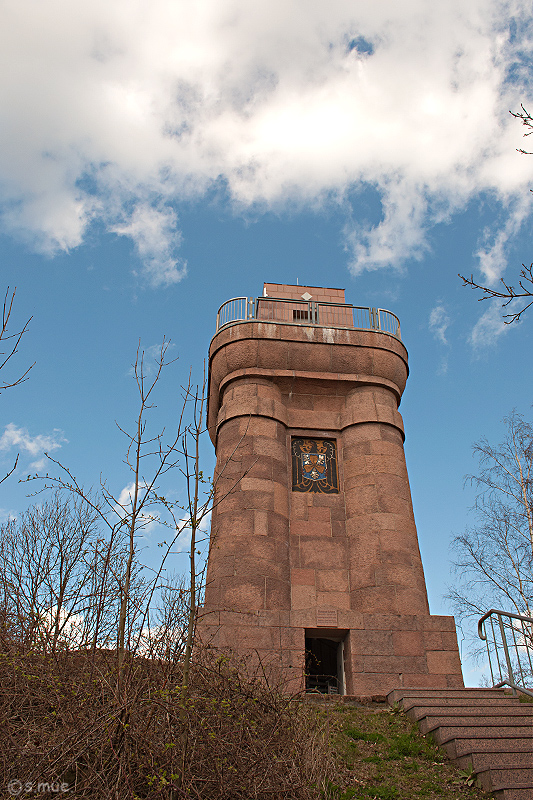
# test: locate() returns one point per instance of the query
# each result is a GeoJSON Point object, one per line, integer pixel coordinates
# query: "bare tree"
{"type": "Point", "coordinates": [166, 633]}
{"type": "Point", "coordinates": [126, 516]}
{"type": "Point", "coordinates": [105, 744]}
{"type": "Point", "coordinates": [506, 291]}
{"type": "Point", "coordinates": [494, 559]}
{"type": "Point", "coordinates": [52, 567]}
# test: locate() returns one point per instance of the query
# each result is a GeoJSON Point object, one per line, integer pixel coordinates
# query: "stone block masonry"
{"type": "Point", "coordinates": [314, 536]}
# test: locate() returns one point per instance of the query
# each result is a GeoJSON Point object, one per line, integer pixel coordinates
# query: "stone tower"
{"type": "Point", "coordinates": [314, 563]}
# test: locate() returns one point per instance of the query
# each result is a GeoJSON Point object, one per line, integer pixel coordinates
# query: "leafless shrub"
{"type": "Point", "coordinates": [233, 735]}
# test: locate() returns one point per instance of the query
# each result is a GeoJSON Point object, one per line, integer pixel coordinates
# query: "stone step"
{"type": "Point", "coordinates": [460, 747]}
{"type": "Point", "coordinates": [513, 793]}
{"type": "Point", "coordinates": [471, 712]}
{"type": "Point", "coordinates": [431, 722]}
{"type": "Point", "coordinates": [397, 695]}
{"type": "Point", "coordinates": [446, 733]}
{"type": "Point", "coordinates": [486, 730]}
{"type": "Point", "coordinates": [500, 778]}
{"type": "Point", "coordinates": [497, 759]}
{"type": "Point", "coordinates": [460, 702]}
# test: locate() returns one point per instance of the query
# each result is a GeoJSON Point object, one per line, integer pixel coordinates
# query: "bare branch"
{"type": "Point", "coordinates": [508, 294]}
{"type": "Point", "coordinates": [11, 471]}
{"type": "Point", "coordinates": [527, 121]}
{"type": "Point", "coordinates": [13, 340]}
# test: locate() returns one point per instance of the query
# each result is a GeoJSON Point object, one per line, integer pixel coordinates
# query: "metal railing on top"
{"type": "Point", "coordinates": [509, 640]}
{"type": "Point", "coordinates": [302, 312]}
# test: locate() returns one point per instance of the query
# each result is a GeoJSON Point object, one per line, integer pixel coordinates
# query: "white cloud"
{"type": "Point", "coordinates": [72, 625]}
{"type": "Point", "coordinates": [489, 327]}
{"type": "Point", "coordinates": [154, 232]}
{"type": "Point", "coordinates": [14, 438]}
{"type": "Point", "coordinates": [38, 465]}
{"type": "Point", "coordinates": [492, 258]}
{"type": "Point", "coordinates": [183, 543]}
{"type": "Point", "coordinates": [399, 236]}
{"type": "Point", "coordinates": [439, 322]}
{"type": "Point", "coordinates": [153, 352]}
{"type": "Point", "coordinates": [443, 366]}
{"type": "Point", "coordinates": [112, 110]}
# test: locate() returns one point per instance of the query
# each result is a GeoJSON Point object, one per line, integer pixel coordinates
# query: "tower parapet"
{"type": "Point", "coordinates": [314, 561]}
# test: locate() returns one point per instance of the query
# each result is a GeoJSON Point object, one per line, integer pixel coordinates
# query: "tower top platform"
{"type": "Point", "coordinates": [295, 334]}
{"type": "Point", "coordinates": [314, 306]}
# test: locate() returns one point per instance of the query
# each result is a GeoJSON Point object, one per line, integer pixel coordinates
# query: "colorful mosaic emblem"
{"type": "Point", "coordinates": [314, 466]}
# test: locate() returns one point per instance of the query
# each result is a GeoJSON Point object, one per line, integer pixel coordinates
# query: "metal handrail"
{"type": "Point", "coordinates": [303, 312]}
{"type": "Point", "coordinates": [518, 655]}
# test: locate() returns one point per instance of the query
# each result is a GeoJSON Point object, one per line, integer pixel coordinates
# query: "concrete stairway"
{"type": "Point", "coordinates": [483, 729]}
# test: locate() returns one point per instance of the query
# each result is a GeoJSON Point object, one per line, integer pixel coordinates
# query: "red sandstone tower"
{"type": "Point", "coordinates": [314, 563]}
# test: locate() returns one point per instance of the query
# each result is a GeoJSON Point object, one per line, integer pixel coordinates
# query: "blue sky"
{"type": "Point", "coordinates": [159, 158]}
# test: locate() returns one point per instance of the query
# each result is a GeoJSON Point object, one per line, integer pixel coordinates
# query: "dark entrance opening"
{"type": "Point", "coordinates": [324, 665]}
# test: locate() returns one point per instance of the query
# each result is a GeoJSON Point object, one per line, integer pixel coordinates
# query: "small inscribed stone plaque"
{"type": "Point", "coordinates": [326, 618]}
{"type": "Point", "coordinates": [314, 466]}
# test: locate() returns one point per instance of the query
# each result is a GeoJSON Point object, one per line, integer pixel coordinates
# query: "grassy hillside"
{"type": "Point", "coordinates": [382, 756]}
{"type": "Point", "coordinates": [69, 726]}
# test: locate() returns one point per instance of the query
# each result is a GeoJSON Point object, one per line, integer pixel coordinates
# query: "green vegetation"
{"type": "Point", "coordinates": [232, 737]}
{"type": "Point", "coordinates": [382, 756]}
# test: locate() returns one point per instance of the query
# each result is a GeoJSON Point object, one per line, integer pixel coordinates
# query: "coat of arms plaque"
{"type": "Point", "coordinates": [314, 466]}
